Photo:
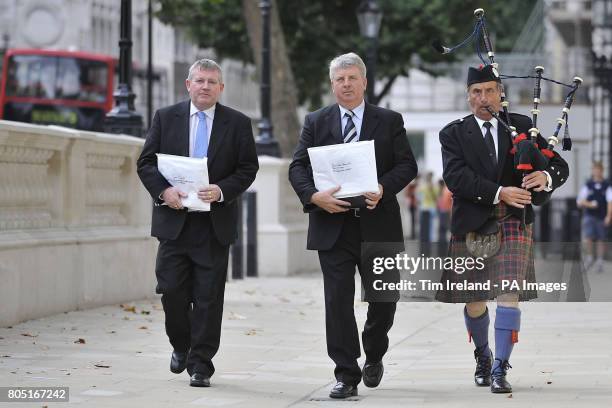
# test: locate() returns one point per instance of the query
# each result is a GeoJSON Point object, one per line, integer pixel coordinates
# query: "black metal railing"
{"type": "Point", "coordinates": [244, 250]}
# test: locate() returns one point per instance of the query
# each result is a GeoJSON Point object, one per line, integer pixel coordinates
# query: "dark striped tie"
{"type": "Point", "coordinates": [350, 132]}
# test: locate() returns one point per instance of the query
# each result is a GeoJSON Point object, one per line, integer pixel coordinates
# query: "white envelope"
{"type": "Point", "coordinates": [188, 174]}
{"type": "Point", "coordinates": [352, 166]}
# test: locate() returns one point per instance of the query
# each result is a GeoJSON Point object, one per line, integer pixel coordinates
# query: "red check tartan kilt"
{"type": "Point", "coordinates": [513, 262]}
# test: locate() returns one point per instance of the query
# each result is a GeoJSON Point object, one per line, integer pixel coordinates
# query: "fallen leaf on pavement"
{"type": "Point", "coordinates": [128, 308]}
{"type": "Point", "coordinates": [236, 316]}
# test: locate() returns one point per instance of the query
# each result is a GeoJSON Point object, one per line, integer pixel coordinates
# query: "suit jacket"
{"type": "Point", "coordinates": [232, 165]}
{"type": "Point", "coordinates": [472, 178]}
{"type": "Point", "coordinates": [395, 165]}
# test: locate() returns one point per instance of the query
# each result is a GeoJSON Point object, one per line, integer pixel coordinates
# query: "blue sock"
{"type": "Point", "coordinates": [507, 326]}
{"type": "Point", "coordinates": [478, 329]}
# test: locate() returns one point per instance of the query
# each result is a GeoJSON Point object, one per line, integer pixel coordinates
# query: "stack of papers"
{"type": "Point", "coordinates": [352, 166]}
{"type": "Point", "coordinates": [188, 174]}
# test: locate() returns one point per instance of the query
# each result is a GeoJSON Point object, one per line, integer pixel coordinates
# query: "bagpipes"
{"type": "Point", "coordinates": [528, 156]}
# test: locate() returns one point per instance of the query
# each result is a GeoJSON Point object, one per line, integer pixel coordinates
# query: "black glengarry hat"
{"type": "Point", "coordinates": [482, 74]}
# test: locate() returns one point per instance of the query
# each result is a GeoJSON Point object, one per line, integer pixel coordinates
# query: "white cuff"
{"type": "Point", "coordinates": [549, 183]}
{"type": "Point", "coordinates": [496, 200]}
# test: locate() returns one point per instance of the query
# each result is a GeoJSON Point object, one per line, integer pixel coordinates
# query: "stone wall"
{"type": "Point", "coordinates": [74, 221]}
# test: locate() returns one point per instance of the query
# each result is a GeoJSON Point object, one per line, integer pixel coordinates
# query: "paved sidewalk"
{"type": "Point", "coordinates": [273, 355]}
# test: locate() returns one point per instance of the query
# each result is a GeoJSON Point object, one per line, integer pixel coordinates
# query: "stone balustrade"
{"type": "Point", "coordinates": [74, 221]}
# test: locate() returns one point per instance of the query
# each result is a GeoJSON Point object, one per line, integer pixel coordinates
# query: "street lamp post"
{"type": "Point", "coordinates": [370, 16]}
{"type": "Point", "coordinates": [265, 142]}
{"type": "Point", "coordinates": [123, 118]}
{"type": "Point", "coordinates": [602, 71]}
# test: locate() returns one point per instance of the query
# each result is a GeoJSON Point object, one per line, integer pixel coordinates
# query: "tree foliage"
{"type": "Point", "coordinates": [317, 30]}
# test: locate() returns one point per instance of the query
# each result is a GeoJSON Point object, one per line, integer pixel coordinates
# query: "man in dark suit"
{"type": "Point", "coordinates": [192, 257]}
{"type": "Point", "coordinates": [337, 231]}
{"type": "Point", "coordinates": [479, 170]}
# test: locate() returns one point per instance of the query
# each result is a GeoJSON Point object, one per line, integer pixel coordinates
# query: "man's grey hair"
{"type": "Point", "coordinates": [346, 61]}
{"type": "Point", "coordinates": [205, 64]}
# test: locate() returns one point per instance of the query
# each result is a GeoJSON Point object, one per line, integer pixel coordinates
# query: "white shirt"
{"type": "Point", "coordinates": [357, 118]}
{"type": "Point", "coordinates": [194, 120]}
{"type": "Point", "coordinates": [483, 129]}
{"type": "Point", "coordinates": [584, 193]}
{"type": "Point", "coordinates": [494, 125]}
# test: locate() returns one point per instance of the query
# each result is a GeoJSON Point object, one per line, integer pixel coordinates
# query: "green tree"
{"type": "Point", "coordinates": [315, 31]}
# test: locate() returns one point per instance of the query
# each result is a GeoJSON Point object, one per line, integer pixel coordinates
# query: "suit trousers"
{"type": "Point", "coordinates": [338, 266]}
{"type": "Point", "coordinates": [191, 273]}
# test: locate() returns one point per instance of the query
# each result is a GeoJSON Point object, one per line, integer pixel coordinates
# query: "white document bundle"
{"type": "Point", "coordinates": [188, 174]}
{"type": "Point", "coordinates": [352, 166]}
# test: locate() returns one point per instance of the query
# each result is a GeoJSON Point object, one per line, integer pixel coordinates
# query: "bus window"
{"type": "Point", "coordinates": [50, 77]}
{"type": "Point", "coordinates": [94, 77]}
{"type": "Point", "coordinates": [68, 85]}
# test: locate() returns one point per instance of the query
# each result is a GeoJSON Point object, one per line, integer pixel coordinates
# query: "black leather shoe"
{"type": "Point", "coordinates": [178, 362]}
{"type": "Point", "coordinates": [199, 380]}
{"type": "Point", "coordinates": [499, 384]}
{"type": "Point", "coordinates": [482, 375]}
{"type": "Point", "coordinates": [372, 374]}
{"type": "Point", "coordinates": [342, 390]}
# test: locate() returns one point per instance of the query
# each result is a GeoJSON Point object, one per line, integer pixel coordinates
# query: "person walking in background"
{"type": "Point", "coordinates": [411, 198]}
{"type": "Point", "coordinates": [428, 197]}
{"type": "Point", "coordinates": [595, 197]}
{"type": "Point", "coordinates": [445, 205]}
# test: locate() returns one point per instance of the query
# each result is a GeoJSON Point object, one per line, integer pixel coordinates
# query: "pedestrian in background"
{"type": "Point", "coordinates": [595, 198]}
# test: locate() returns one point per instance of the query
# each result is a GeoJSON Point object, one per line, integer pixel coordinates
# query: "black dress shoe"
{"type": "Point", "coordinates": [342, 390]}
{"type": "Point", "coordinates": [199, 380]}
{"type": "Point", "coordinates": [482, 375]}
{"type": "Point", "coordinates": [499, 384]}
{"type": "Point", "coordinates": [372, 374]}
{"type": "Point", "coordinates": [178, 362]}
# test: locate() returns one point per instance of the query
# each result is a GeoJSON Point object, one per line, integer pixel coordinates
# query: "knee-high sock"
{"type": "Point", "coordinates": [478, 329]}
{"type": "Point", "coordinates": [507, 326]}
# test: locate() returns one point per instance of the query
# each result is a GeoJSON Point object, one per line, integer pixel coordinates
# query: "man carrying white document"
{"type": "Point", "coordinates": [335, 230]}
{"type": "Point", "coordinates": [199, 155]}
{"type": "Point", "coordinates": [352, 166]}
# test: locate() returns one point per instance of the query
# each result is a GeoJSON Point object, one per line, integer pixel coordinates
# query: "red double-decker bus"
{"type": "Point", "coordinates": [66, 88]}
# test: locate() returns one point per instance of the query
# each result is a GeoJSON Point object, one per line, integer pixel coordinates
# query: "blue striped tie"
{"type": "Point", "coordinates": [200, 148]}
{"type": "Point", "coordinates": [350, 131]}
